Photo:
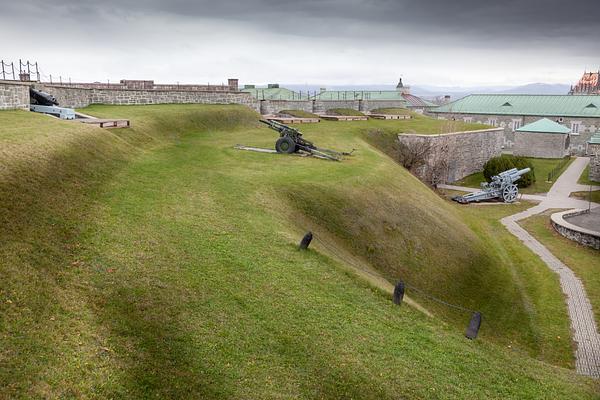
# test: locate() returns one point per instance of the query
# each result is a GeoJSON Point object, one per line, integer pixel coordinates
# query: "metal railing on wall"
{"type": "Point", "coordinates": [7, 69]}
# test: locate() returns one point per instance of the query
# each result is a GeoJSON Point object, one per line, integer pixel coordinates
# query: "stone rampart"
{"type": "Point", "coordinates": [14, 95]}
{"type": "Point", "coordinates": [452, 156]}
{"type": "Point", "coordinates": [268, 107]}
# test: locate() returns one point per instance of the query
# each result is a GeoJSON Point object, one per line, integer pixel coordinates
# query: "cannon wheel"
{"type": "Point", "coordinates": [510, 193]}
{"type": "Point", "coordinates": [285, 145]}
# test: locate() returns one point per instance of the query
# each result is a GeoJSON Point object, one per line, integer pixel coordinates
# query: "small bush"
{"type": "Point", "coordinates": [505, 162]}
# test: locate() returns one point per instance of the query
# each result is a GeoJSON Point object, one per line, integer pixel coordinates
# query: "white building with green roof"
{"type": "Point", "coordinates": [580, 114]}
{"type": "Point", "coordinates": [543, 138]}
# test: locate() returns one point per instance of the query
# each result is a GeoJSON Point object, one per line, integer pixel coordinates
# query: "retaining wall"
{"type": "Point", "coordinates": [578, 234]}
{"type": "Point", "coordinates": [14, 95]}
{"type": "Point", "coordinates": [321, 106]}
{"type": "Point", "coordinates": [452, 156]}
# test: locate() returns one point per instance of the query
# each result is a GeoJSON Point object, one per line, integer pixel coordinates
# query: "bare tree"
{"type": "Point", "coordinates": [413, 155]}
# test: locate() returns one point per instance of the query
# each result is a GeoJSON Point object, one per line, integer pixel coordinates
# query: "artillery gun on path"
{"type": "Point", "coordinates": [291, 141]}
{"type": "Point", "coordinates": [502, 187]}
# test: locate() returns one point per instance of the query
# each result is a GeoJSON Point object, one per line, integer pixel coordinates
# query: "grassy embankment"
{"type": "Point", "coordinates": [584, 179]}
{"type": "Point", "coordinates": [393, 111]}
{"type": "Point", "coordinates": [541, 167]}
{"type": "Point", "coordinates": [343, 111]}
{"type": "Point", "coordinates": [298, 113]}
{"type": "Point", "coordinates": [158, 261]}
{"type": "Point", "coordinates": [583, 260]}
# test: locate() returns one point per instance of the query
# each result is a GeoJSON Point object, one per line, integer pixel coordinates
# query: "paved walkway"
{"type": "Point", "coordinates": [583, 325]}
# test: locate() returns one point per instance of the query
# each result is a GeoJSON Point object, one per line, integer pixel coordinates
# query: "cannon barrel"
{"type": "Point", "coordinates": [42, 98]}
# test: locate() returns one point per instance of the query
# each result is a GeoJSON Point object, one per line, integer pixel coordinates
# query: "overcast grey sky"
{"type": "Point", "coordinates": [436, 42]}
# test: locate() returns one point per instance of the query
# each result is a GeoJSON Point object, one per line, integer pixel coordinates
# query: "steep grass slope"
{"type": "Point", "coordinates": [158, 261]}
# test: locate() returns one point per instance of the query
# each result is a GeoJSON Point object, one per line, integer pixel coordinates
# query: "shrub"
{"type": "Point", "coordinates": [505, 162]}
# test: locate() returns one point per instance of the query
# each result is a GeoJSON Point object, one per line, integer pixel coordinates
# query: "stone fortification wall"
{"type": "Point", "coordinates": [271, 107]}
{"type": "Point", "coordinates": [452, 156]}
{"type": "Point", "coordinates": [321, 106]}
{"type": "Point", "coordinates": [232, 86]}
{"type": "Point", "coordinates": [14, 95]}
{"type": "Point", "coordinates": [79, 97]}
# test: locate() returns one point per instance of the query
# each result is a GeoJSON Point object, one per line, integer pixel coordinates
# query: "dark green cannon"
{"type": "Point", "coordinates": [291, 141]}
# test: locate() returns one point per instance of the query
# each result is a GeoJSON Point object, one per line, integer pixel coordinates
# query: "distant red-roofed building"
{"type": "Point", "coordinates": [588, 84]}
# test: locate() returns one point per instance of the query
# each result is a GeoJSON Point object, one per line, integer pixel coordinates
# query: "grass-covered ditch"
{"type": "Point", "coordinates": [158, 261]}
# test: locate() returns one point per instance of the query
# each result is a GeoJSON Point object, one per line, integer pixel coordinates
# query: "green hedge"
{"type": "Point", "coordinates": [505, 162]}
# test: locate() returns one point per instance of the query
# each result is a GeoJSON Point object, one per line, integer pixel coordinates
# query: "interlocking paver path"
{"type": "Point", "coordinates": [583, 325]}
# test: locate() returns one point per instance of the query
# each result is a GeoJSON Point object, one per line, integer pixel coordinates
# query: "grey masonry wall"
{"type": "Point", "coordinates": [594, 151]}
{"type": "Point", "coordinates": [269, 107]}
{"type": "Point", "coordinates": [321, 106]}
{"type": "Point", "coordinates": [541, 145]}
{"type": "Point", "coordinates": [81, 97]}
{"type": "Point", "coordinates": [577, 146]}
{"type": "Point", "coordinates": [14, 96]}
{"type": "Point", "coordinates": [452, 156]}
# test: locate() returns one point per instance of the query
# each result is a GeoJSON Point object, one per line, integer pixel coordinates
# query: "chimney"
{"type": "Point", "coordinates": [233, 84]}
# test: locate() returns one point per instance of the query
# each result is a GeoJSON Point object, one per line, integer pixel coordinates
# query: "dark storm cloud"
{"type": "Point", "coordinates": [491, 20]}
{"type": "Point", "coordinates": [445, 41]}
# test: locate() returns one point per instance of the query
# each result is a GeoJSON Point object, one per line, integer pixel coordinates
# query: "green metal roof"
{"type": "Point", "coordinates": [360, 95]}
{"type": "Point", "coordinates": [595, 139]}
{"type": "Point", "coordinates": [544, 125]}
{"type": "Point", "coordinates": [524, 104]}
{"type": "Point", "coordinates": [275, 94]}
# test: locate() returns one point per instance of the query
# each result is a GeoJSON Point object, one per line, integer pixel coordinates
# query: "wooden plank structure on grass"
{"type": "Point", "coordinates": [344, 117]}
{"type": "Point", "coordinates": [294, 120]}
{"type": "Point", "coordinates": [388, 116]}
{"type": "Point", "coordinates": [106, 123]}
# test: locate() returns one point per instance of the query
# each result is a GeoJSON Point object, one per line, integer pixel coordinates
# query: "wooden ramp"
{"type": "Point", "coordinates": [294, 120]}
{"type": "Point", "coordinates": [344, 117]}
{"type": "Point", "coordinates": [106, 123]}
{"type": "Point", "coordinates": [389, 116]}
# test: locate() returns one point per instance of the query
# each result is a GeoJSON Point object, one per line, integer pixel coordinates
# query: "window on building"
{"type": "Point", "coordinates": [493, 121]}
{"type": "Point", "coordinates": [575, 127]}
{"type": "Point", "coordinates": [516, 124]}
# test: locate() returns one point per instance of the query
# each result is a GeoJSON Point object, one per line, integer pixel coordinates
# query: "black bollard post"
{"type": "Point", "coordinates": [398, 293]}
{"type": "Point", "coordinates": [474, 324]}
{"type": "Point", "coordinates": [306, 241]}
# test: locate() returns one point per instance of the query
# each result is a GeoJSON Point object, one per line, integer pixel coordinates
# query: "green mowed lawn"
{"type": "Point", "coordinates": [158, 261]}
{"type": "Point", "coordinates": [593, 196]}
{"type": "Point", "coordinates": [583, 260]}
{"type": "Point", "coordinates": [541, 166]}
{"type": "Point", "coordinates": [584, 179]}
